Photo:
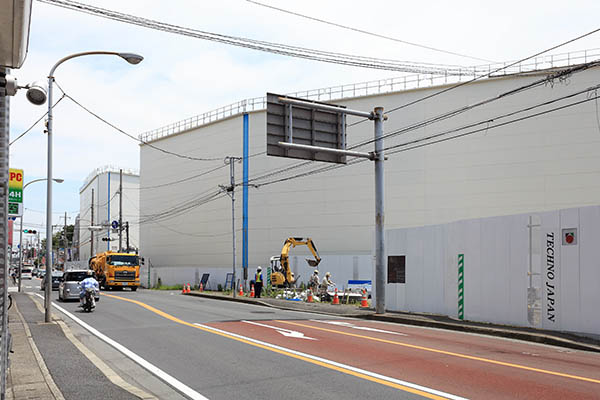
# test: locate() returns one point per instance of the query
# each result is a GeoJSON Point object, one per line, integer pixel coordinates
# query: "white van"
{"type": "Point", "coordinates": [26, 273]}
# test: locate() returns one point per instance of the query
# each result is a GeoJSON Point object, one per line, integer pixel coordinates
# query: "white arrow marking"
{"type": "Point", "coordinates": [284, 332]}
{"type": "Point", "coordinates": [362, 328]}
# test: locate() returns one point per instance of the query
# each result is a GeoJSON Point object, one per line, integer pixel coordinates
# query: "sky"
{"type": "Point", "coordinates": [181, 76]}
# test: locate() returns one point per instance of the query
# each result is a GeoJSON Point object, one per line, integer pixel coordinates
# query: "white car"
{"type": "Point", "coordinates": [26, 273]}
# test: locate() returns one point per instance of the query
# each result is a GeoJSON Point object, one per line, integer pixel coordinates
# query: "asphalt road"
{"type": "Point", "coordinates": [223, 350]}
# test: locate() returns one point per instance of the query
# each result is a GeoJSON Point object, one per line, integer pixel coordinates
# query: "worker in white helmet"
{"type": "Point", "coordinates": [313, 281]}
{"type": "Point", "coordinates": [324, 285]}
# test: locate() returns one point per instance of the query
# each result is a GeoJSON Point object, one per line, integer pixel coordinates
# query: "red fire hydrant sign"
{"type": "Point", "coordinates": [569, 237]}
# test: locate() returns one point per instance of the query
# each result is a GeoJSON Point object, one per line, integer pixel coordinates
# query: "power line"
{"type": "Point", "coordinates": [366, 32]}
{"type": "Point", "coordinates": [270, 47]}
{"type": "Point", "coordinates": [418, 142]}
{"type": "Point", "coordinates": [560, 76]}
{"type": "Point", "coordinates": [488, 74]}
{"type": "Point", "coordinates": [131, 136]}
{"type": "Point", "coordinates": [36, 122]}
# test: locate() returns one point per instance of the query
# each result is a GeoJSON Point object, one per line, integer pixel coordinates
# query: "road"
{"type": "Point", "coordinates": [221, 350]}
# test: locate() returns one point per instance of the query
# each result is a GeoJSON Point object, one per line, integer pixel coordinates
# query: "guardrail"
{"type": "Point", "coordinates": [379, 87]}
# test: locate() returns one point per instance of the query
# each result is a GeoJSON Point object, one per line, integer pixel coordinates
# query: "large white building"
{"type": "Point", "coordinates": [534, 164]}
{"type": "Point", "coordinates": [104, 184]}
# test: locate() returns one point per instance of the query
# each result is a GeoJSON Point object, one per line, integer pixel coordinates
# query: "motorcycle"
{"type": "Point", "coordinates": [89, 301]}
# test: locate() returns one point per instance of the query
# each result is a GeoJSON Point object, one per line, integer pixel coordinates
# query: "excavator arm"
{"type": "Point", "coordinates": [293, 242]}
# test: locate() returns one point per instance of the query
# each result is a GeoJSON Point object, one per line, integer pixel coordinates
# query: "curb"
{"type": "Point", "coordinates": [541, 337]}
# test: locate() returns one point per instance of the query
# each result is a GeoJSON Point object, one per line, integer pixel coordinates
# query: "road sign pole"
{"type": "Point", "coordinates": [20, 252]}
{"type": "Point", "coordinates": [121, 211]}
{"type": "Point", "coordinates": [379, 213]}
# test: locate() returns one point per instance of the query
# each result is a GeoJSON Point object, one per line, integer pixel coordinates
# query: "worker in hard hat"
{"type": "Point", "coordinates": [313, 281]}
{"type": "Point", "coordinates": [258, 282]}
{"type": "Point", "coordinates": [324, 285]}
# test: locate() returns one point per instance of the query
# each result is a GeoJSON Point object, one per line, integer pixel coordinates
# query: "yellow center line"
{"type": "Point", "coordinates": [449, 353]}
{"type": "Point", "coordinates": [283, 352]}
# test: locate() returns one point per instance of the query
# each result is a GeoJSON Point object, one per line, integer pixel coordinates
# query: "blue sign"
{"type": "Point", "coordinates": [115, 224]}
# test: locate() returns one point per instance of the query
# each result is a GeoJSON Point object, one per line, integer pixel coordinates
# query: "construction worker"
{"type": "Point", "coordinates": [313, 281]}
{"type": "Point", "coordinates": [324, 285]}
{"type": "Point", "coordinates": [258, 282]}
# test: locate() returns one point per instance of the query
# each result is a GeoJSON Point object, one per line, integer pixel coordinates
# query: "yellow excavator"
{"type": "Point", "coordinates": [281, 274]}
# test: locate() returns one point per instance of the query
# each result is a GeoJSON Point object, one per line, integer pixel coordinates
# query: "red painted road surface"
{"type": "Point", "coordinates": [471, 366]}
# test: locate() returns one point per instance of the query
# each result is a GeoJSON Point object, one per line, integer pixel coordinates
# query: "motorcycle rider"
{"type": "Point", "coordinates": [88, 282]}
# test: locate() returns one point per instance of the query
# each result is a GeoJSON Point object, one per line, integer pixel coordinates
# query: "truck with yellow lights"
{"type": "Point", "coordinates": [116, 270]}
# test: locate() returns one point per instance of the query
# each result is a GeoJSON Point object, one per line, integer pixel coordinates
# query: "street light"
{"type": "Point", "coordinates": [57, 180]}
{"type": "Point", "coordinates": [131, 58]}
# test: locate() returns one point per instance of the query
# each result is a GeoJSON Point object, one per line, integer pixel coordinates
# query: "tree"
{"type": "Point", "coordinates": [58, 238]}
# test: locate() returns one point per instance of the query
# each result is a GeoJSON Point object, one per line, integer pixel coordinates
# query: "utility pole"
{"type": "Point", "coordinates": [121, 211]}
{"type": "Point", "coordinates": [127, 234]}
{"type": "Point", "coordinates": [20, 252]}
{"type": "Point", "coordinates": [92, 224]}
{"type": "Point", "coordinates": [66, 238]}
{"type": "Point", "coordinates": [231, 192]}
{"type": "Point", "coordinates": [380, 262]}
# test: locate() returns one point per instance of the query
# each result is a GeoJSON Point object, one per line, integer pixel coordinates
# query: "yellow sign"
{"type": "Point", "coordinates": [15, 185]}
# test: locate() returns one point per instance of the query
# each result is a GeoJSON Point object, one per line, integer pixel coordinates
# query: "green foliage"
{"type": "Point", "coordinates": [220, 287]}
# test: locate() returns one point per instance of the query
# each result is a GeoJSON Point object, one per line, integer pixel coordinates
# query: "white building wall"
{"type": "Point", "coordinates": [496, 263]}
{"type": "Point", "coordinates": [539, 164]}
{"type": "Point", "coordinates": [105, 183]}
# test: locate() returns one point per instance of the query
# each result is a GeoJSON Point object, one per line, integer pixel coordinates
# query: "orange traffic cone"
{"type": "Point", "coordinates": [309, 298]}
{"type": "Point", "coordinates": [201, 288]}
{"type": "Point", "coordinates": [336, 299]}
{"type": "Point", "coordinates": [251, 290]}
{"type": "Point", "coordinates": [187, 288]}
{"type": "Point", "coordinates": [183, 289]}
{"type": "Point", "coordinates": [241, 290]}
{"type": "Point", "coordinates": [363, 301]}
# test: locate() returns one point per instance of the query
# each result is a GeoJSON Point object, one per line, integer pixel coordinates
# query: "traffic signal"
{"type": "Point", "coordinates": [105, 239]}
{"type": "Point", "coordinates": [31, 231]}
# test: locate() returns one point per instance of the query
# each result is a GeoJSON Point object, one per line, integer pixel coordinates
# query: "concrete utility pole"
{"type": "Point", "coordinates": [380, 263]}
{"type": "Point", "coordinates": [231, 192]}
{"type": "Point", "coordinates": [92, 224]}
{"type": "Point", "coordinates": [121, 210]}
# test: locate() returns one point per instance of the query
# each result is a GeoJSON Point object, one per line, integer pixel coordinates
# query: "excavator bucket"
{"type": "Point", "coordinates": [312, 263]}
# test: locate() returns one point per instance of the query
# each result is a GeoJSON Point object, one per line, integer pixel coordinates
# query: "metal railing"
{"type": "Point", "coordinates": [107, 168]}
{"type": "Point", "coordinates": [379, 87]}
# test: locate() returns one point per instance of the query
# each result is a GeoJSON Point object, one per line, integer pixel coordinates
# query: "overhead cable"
{"type": "Point", "coordinates": [132, 136]}
{"type": "Point", "coordinates": [367, 32]}
{"type": "Point", "coordinates": [270, 47]}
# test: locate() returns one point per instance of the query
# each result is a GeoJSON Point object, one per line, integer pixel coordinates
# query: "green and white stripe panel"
{"type": "Point", "coordinates": [461, 286]}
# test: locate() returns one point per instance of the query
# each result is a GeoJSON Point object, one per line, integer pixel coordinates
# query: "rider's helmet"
{"type": "Point", "coordinates": [259, 268]}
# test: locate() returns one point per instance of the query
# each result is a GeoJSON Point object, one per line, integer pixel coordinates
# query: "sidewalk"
{"type": "Point", "coordinates": [28, 377]}
{"type": "Point", "coordinates": [561, 339]}
{"type": "Point", "coordinates": [49, 365]}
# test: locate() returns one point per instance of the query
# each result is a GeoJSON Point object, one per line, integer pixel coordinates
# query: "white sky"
{"type": "Point", "coordinates": [182, 77]}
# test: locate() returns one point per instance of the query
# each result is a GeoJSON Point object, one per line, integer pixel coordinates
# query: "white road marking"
{"type": "Point", "coordinates": [284, 332]}
{"type": "Point", "coordinates": [336, 364]}
{"type": "Point", "coordinates": [362, 328]}
{"type": "Point", "coordinates": [178, 385]}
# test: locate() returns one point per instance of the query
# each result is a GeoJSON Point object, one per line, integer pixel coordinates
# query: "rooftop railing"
{"type": "Point", "coordinates": [380, 87]}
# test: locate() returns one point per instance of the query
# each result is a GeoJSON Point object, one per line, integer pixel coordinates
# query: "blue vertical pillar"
{"type": "Point", "coordinates": [108, 243]}
{"type": "Point", "coordinates": [245, 201]}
